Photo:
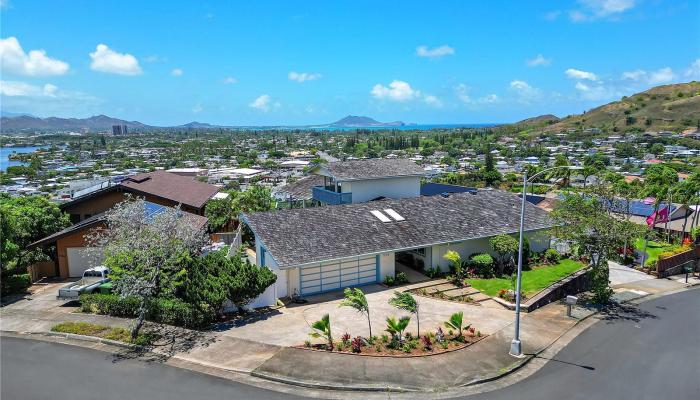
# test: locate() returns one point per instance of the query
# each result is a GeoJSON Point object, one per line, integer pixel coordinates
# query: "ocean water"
{"type": "Point", "coordinates": [5, 156]}
{"type": "Point", "coordinates": [421, 127]}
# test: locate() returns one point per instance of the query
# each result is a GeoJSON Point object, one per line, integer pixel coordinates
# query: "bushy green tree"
{"type": "Point", "coordinates": [505, 246]}
{"type": "Point", "coordinates": [24, 220]}
{"type": "Point", "coordinates": [219, 212]}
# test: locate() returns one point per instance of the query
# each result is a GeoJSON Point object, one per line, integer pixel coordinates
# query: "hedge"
{"type": "Point", "coordinates": [14, 284]}
{"type": "Point", "coordinates": [166, 311]}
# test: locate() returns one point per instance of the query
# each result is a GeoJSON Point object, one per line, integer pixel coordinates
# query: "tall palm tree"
{"type": "Point", "coordinates": [404, 301]}
{"type": "Point", "coordinates": [356, 299]}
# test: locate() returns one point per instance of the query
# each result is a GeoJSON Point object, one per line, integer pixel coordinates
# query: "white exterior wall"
{"type": "Point", "coordinates": [275, 291]}
{"type": "Point", "coordinates": [394, 188]}
{"type": "Point", "coordinates": [387, 265]}
{"type": "Point", "coordinates": [539, 241]}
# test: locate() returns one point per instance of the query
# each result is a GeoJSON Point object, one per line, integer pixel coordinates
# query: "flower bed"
{"type": "Point", "coordinates": [410, 346]}
{"type": "Point", "coordinates": [105, 332]}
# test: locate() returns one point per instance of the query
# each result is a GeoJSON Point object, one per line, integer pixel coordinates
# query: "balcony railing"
{"type": "Point", "coordinates": [330, 197]}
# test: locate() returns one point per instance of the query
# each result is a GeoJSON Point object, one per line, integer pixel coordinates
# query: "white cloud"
{"type": "Point", "coordinates": [435, 52]}
{"type": "Point", "coordinates": [303, 76]}
{"type": "Point", "coordinates": [4, 4]}
{"type": "Point", "coordinates": [526, 92]}
{"type": "Point", "coordinates": [663, 75]}
{"type": "Point", "coordinates": [35, 63]}
{"type": "Point", "coordinates": [432, 101]}
{"type": "Point", "coordinates": [107, 60]}
{"type": "Point", "coordinates": [229, 80]}
{"type": "Point", "coordinates": [539, 60]}
{"type": "Point", "coordinates": [154, 58]}
{"type": "Point", "coordinates": [489, 98]}
{"type": "Point", "coordinates": [396, 91]}
{"type": "Point", "coordinates": [552, 15]}
{"type": "Point", "coordinates": [197, 108]}
{"type": "Point", "coordinates": [264, 103]}
{"type": "Point", "coordinates": [694, 70]}
{"type": "Point", "coordinates": [578, 74]}
{"type": "Point", "coordinates": [177, 72]}
{"type": "Point", "coordinates": [462, 91]}
{"type": "Point", "coordinates": [46, 99]}
{"type": "Point", "coordinates": [600, 9]}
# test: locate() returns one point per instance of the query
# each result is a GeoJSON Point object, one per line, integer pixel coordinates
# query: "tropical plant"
{"type": "Point", "coordinates": [322, 329]}
{"type": "Point", "coordinates": [396, 328]}
{"type": "Point", "coordinates": [405, 301]}
{"type": "Point", "coordinates": [356, 299]}
{"type": "Point", "coordinates": [482, 263]}
{"type": "Point", "coordinates": [455, 322]}
{"type": "Point", "coordinates": [455, 263]}
{"type": "Point", "coordinates": [505, 246]}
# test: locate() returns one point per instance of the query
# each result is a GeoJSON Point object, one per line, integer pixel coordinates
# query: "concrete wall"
{"type": "Point", "coordinates": [394, 188]}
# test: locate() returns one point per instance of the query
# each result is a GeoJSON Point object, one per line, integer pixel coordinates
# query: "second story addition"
{"type": "Point", "coordinates": [346, 182]}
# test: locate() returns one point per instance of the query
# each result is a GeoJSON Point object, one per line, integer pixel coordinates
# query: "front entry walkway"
{"type": "Point", "coordinates": [412, 275]}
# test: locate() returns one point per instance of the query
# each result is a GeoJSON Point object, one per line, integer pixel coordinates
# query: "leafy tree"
{"type": "Point", "coordinates": [505, 246]}
{"type": "Point", "coordinates": [219, 212]}
{"type": "Point", "coordinates": [396, 328]}
{"type": "Point", "coordinates": [563, 174]}
{"type": "Point", "coordinates": [23, 221]}
{"type": "Point", "coordinates": [405, 301]}
{"type": "Point", "coordinates": [658, 180]}
{"type": "Point", "coordinates": [249, 282]}
{"type": "Point", "coordinates": [455, 262]}
{"type": "Point", "coordinates": [456, 322]}
{"type": "Point", "coordinates": [586, 222]}
{"type": "Point", "coordinates": [356, 299]}
{"type": "Point", "coordinates": [657, 149]}
{"type": "Point", "coordinates": [322, 329]}
{"type": "Point", "coordinates": [146, 253]}
{"type": "Point", "coordinates": [255, 199]}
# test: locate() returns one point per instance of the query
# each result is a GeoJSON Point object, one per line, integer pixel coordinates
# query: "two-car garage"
{"type": "Point", "coordinates": [336, 275]}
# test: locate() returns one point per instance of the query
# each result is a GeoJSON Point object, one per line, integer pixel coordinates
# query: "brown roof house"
{"type": "Point", "coordinates": [159, 189]}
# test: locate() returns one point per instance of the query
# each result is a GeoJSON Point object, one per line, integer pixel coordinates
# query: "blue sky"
{"type": "Point", "coordinates": [306, 62]}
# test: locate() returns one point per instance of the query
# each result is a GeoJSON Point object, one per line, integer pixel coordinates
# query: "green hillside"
{"type": "Point", "coordinates": [669, 107]}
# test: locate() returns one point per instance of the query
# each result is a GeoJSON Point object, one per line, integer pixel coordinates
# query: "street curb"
{"type": "Point", "coordinates": [516, 366]}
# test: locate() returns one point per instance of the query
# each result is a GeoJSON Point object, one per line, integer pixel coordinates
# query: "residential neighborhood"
{"type": "Point", "coordinates": [349, 200]}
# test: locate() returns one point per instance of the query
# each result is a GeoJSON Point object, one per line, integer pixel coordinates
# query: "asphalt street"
{"type": "Point", "coordinates": [651, 351]}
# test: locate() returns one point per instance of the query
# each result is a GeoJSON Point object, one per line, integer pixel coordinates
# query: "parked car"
{"type": "Point", "coordinates": [89, 283]}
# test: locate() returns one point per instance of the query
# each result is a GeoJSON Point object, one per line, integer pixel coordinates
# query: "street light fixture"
{"type": "Point", "coordinates": [515, 344]}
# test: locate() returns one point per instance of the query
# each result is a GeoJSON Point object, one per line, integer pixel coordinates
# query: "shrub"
{"type": "Point", "coordinates": [166, 311]}
{"type": "Point", "coordinates": [401, 278]}
{"type": "Point", "coordinates": [552, 256]}
{"type": "Point", "coordinates": [389, 280]}
{"type": "Point", "coordinates": [482, 263]}
{"type": "Point", "coordinates": [356, 344]}
{"type": "Point", "coordinates": [14, 284]}
{"type": "Point", "coordinates": [432, 272]}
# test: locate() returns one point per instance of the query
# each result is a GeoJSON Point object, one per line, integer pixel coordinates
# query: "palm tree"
{"type": "Point", "coordinates": [455, 322]}
{"type": "Point", "coordinates": [396, 328]}
{"type": "Point", "coordinates": [356, 299]}
{"type": "Point", "coordinates": [404, 301]}
{"type": "Point", "coordinates": [563, 174]}
{"type": "Point", "coordinates": [323, 329]}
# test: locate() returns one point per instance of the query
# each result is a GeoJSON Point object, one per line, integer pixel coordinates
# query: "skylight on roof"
{"type": "Point", "coordinates": [393, 214]}
{"type": "Point", "coordinates": [380, 216]}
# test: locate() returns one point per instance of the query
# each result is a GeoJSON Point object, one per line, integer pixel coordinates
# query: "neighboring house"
{"type": "Point", "coordinates": [320, 249]}
{"type": "Point", "coordinates": [73, 255]}
{"type": "Point", "coordinates": [158, 187]}
{"type": "Point", "coordinates": [347, 182]}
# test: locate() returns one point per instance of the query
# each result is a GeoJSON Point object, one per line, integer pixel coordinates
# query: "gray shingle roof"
{"type": "Point", "coordinates": [301, 236]}
{"type": "Point", "coordinates": [372, 169]}
{"type": "Point", "coordinates": [301, 189]}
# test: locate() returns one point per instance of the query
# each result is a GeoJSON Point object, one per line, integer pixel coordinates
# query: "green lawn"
{"type": "Point", "coordinates": [653, 248]}
{"type": "Point", "coordinates": [533, 281]}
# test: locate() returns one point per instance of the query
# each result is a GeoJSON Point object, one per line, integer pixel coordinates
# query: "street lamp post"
{"type": "Point", "coordinates": [515, 345]}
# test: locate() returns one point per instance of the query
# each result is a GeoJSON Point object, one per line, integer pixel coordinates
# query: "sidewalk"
{"type": "Point", "coordinates": [483, 361]}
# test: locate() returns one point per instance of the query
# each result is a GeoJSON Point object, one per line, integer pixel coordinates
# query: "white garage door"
{"type": "Point", "coordinates": [338, 275]}
{"type": "Point", "coordinates": [79, 260]}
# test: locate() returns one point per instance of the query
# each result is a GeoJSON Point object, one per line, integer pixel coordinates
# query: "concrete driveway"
{"type": "Point", "coordinates": [291, 325]}
{"type": "Point", "coordinates": [620, 274]}
{"type": "Point", "coordinates": [41, 297]}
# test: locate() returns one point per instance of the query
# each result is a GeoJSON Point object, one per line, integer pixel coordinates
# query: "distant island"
{"type": "Point", "coordinates": [355, 121]}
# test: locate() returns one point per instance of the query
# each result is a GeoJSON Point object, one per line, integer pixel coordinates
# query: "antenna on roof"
{"type": "Point", "coordinates": [380, 216]}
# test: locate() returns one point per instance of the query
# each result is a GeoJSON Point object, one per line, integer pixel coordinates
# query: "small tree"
{"type": "Point", "coordinates": [455, 262]}
{"type": "Point", "coordinates": [455, 322]}
{"type": "Point", "coordinates": [396, 328]}
{"type": "Point", "coordinates": [145, 252]}
{"type": "Point", "coordinates": [356, 299]}
{"type": "Point", "coordinates": [505, 246]}
{"type": "Point", "coordinates": [322, 329]}
{"type": "Point", "coordinates": [219, 212]}
{"type": "Point", "coordinates": [405, 301]}
{"type": "Point", "coordinates": [248, 282]}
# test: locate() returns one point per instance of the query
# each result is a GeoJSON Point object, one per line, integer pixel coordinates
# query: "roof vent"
{"type": "Point", "coordinates": [380, 216]}
{"type": "Point", "coordinates": [393, 214]}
